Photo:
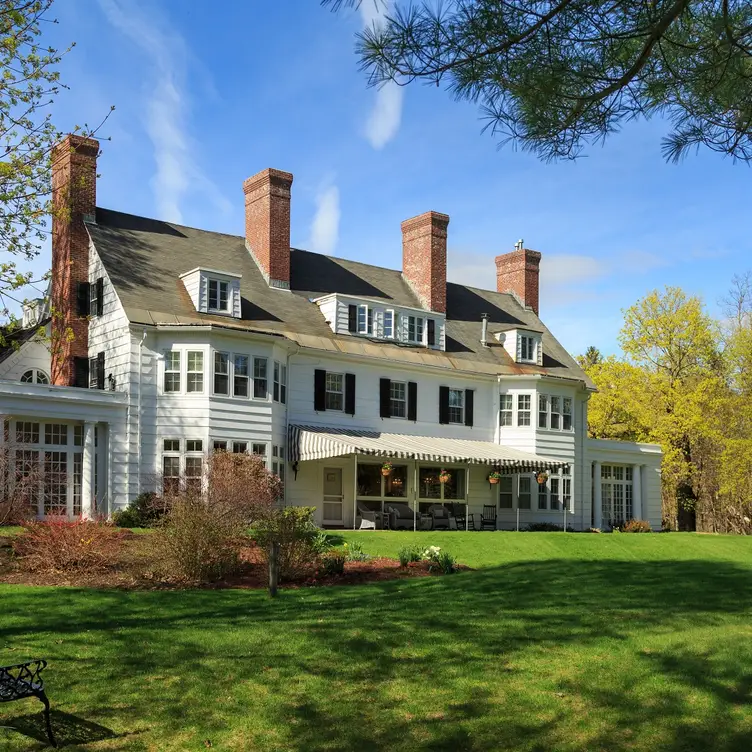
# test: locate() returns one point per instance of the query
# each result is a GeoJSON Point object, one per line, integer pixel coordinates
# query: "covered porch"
{"type": "Point", "coordinates": [372, 480]}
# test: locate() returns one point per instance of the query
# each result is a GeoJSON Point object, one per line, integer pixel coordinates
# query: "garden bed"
{"type": "Point", "coordinates": [135, 568]}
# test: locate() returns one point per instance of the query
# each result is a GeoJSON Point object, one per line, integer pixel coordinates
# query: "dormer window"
{"type": "Point", "coordinates": [388, 324]}
{"type": "Point", "coordinates": [365, 319]}
{"type": "Point", "coordinates": [219, 295]}
{"type": "Point", "coordinates": [415, 329]}
{"type": "Point", "coordinates": [527, 348]}
{"type": "Point", "coordinates": [213, 291]}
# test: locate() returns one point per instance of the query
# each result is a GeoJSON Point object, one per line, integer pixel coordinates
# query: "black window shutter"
{"type": "Point", "coordinates": [81, 372]}
{"type": "Point", "coordinates": [431, 332]}
{"type": "Point", "coordinates": [352, 318]}
{"type": "Point", "coordinates": [350, 393]}
{"type": "Point", "coordinates": [385, 398]}
{"type": "Point", "coordinates": [319, 390]}
{"type": "Point", "coordinates": [100, 295]}
{"type": "Point", "coordinates": [100, 370]}
{"type": "Point", "coordinates": [469, 407]}
{"type": "Point", "coordinates": [412, 401]}
{"type": "Point", "coordinates": [443, 404]}
{"type": "Point", "coordinates": [82, 299]}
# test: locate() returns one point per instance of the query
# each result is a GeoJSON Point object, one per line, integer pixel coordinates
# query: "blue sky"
{"type": "Point", "coordinates": [204, 99]}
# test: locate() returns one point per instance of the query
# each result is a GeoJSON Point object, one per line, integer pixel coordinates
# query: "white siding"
{"type": "Point", "coordinates": [32, 354]}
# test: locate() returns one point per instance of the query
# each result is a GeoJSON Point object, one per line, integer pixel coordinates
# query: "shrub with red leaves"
{"type": "Point", "coordinates": [58, 545]}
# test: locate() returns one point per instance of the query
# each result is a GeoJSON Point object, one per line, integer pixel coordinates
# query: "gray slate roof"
{"type": "Point", "coordinates": [144, 258]}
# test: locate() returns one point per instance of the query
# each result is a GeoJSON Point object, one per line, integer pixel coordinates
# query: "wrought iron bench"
{"type": "Point", "coordinates": [22, 681]}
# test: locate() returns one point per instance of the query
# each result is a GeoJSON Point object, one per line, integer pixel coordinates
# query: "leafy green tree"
{"type": "Point", "coordinates": [592, 357]}
{"type": "Point", "coordinates": [29, 82]}
{"type": "Point", "coordinates": [557, 75]}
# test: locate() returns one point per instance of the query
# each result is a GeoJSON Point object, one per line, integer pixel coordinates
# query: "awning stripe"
{"type": "Point", "coordinates": [322, 442]}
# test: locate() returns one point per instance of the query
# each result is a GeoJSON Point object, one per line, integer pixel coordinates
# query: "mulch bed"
{"type": "Point", "coordinates": [134, 572]}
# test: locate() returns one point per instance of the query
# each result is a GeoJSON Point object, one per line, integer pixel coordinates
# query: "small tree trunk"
{"type": "Point", "coordinates": [273, 569]}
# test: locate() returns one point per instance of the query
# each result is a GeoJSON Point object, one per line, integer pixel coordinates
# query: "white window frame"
{"type": "Point", "coordinates": [528, 493]}
{"type": "Point", "coordinates": [390, 315]}
{"type": "Point", "coordinates": [460, 407]}
{"type": "Point", "coordinates": [328, 391]}
{"type": "Point", "coordinates": [506, 479]}
{"type": "Point", "coordinates": [506, 410]}
{"type": "Point", "coordinates": [544, 404]}
{"type": "Point", "coordinates": [38, 376]}
{"type": "Point", "coordinates": [555, 417]}
{"type": "Point", "coordinates": [259, 392]}
{"type": "Point", "coordinates": [246, 375]}
{"type": "Point", "coordinates": [402, 400]}
{"type": "Point", "coordinates": [198, 374]}
{"type": "Point", "coordinates": [226, 374]}
{"type": "Point", "coordinates": [524, 413]}
{"type": "Point", "coordinates": [228, 300]}
{"type": "Point", "coordinates": [171, 370]}
{"type": "Point", "coordinates": [567, 422]}
{"type": "Point", "coordinates": [528, 348]}
{"type": "Point", "coordinates": [365, 319]}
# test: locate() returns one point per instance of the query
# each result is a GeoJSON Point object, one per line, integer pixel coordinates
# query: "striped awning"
{"type": "Point", "coordinates": [322, 442]}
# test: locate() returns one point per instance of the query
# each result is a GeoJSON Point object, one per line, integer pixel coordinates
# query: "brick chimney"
{"type": "Point", "coordinates": [517, 272]}
{"type": "Point", "coordinates": [74, 198]}
{"type": "Point", "coordinates": [267, 224]}
{"type": "Point", "coordinates": [424, 258]}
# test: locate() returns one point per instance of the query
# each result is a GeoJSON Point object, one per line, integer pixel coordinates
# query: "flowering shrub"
{"type": "Point", "coordinates": [58, 545]}
{"type": "Point", "coordinates": [439, 560]}
{"type": "Point", "coordinates": [636, 526]}
{"type": "Point", "coordinates": [354, 551]}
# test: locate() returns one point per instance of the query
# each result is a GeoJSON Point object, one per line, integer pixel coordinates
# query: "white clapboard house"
{"type": "Point", "coordinates": [169, 342]}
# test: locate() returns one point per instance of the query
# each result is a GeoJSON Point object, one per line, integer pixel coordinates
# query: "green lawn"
{"type": "Point", "coordinates": [555, 642]}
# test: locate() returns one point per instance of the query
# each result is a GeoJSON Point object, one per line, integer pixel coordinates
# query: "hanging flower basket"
{"type": "Point", "coordinates": [494, 477]}
{"type": "Point", "coordinates": [444, 477]}
{"type": "Point", "coordinates": [542, 477]}
{"type": "Point", "coordinates": [386, 469]}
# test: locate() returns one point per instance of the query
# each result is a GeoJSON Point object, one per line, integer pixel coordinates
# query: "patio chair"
{"type": "Point", "coordinates": [440, 517]}
{"type": "Point", "coordinates": [401, 517]}
{"type": "Point", "coordinates": [459, 512]}
{"type": "Point", "coordinates": [488, 518]}
{"type": "Point", "coordinates": [369, 519]}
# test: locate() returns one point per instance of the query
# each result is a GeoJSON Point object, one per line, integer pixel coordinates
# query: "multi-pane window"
{"type": "Point", "coordinates": [170, 474]}
{"type": "Point", "coordinates": [78, 436]}
{"type": "Point", "coordinates": [555, 413]}
{"type": "Point", "coordinates": [415, 328]}
{"type": "Point", "coordinates": [194, 380]}
{"type": "Point", "coordinates": [35, 376]}
{"type": "Point", "coordinates": [523, 409]}
{"type": "Point", "coordinates": [542, 411]}
{"type": "Point", "coordinates": [172, 371]}
{"type": "Point", "coordinates": [527, 347]}
{"type": "Point", "coordinates": [194, 445]}
{"type": "Point", "coordinates": [524, 491]}
{"type": "Point", "coordinates": [543, 496]}
{"type": "Point", "coordinates": [240, 376]}
{"type": "Point", "coordinates": [505, 491]}
{"type": "Point", "coordinates": [221, 373]}
{"type": "Point", "coordinates": [172, 445]}
{"type": "Point", "coordinates": [431, 487]}
{"type": "Point", "coordinates": [56, 483]}
{"type": "Point", "coordinates": [505, 418]}
{"type": "Point", "coordinates": [55, 433]}
{"type": "Point", "coordinates": [554, 485]}
{"type": "Point", "coordinates": [260, 379]}
{"type": "Point", "coordinates": [456, 406]}
{"type": "Point", "coordinates": [259, 449]}
{"type": "Point", "coordinates": [566, 413]}
{"type": "Point", "coordinates": [219, 446]}
{"type": "Point", "coordinates": [219, 295]}
{"type": "Point", "coordinates": [398, 399]}
{"type": "Point", "coordinates": [335, 391]}
{"type": "Point", "coordinates": [27, 432]}
{"type": "Point", "coordinates": [389, 324]}
{"type": "Point", "coordinates": [239, 447]}
{"type": "Point", "coordinates": [280, 382]}
{"type": "Point", "coordinates": [365, 319]}
{"type": "Point", "coordinates": [616, 494]}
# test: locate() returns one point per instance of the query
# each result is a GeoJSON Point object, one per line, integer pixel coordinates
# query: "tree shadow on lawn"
{"type": "Point", "coordinates": [68, 729]}
{"type": "Point", "coordinates": [433, 663]}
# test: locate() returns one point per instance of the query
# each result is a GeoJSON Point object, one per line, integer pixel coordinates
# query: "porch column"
{"type": "Point", "coordinates": [637, 492]}
{"type": "Point", "coordinates": [597, 496]}
{"type": "Point", "coordinates": [87, 473]}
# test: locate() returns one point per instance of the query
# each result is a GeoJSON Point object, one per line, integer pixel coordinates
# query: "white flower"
{"type": "Point", "coordinates": [747, 520]}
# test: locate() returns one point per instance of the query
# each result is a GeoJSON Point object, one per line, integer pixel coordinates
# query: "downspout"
{"type": "Point", "coordinates": [138, 416]}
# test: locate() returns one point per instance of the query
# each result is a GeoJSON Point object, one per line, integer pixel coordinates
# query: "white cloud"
{"type": "Point", "coordinates": [386, 114]}
{"type": "Point", "coordinates": [325, 225]}
{"type": "Point", "coordinates": [166, 111]}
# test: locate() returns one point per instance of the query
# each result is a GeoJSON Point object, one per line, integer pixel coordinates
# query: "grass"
{"type": "Point", "coordinates": [555, 642]}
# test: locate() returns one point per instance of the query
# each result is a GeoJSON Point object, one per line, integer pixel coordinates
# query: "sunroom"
{"type": "Point", "coordinates": [367, 479]}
